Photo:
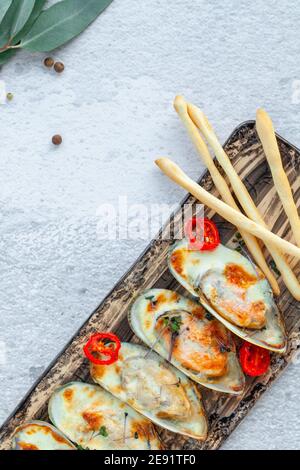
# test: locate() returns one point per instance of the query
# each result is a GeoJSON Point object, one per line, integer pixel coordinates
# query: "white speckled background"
{"type": "Point", "coordinates": [113, 107]}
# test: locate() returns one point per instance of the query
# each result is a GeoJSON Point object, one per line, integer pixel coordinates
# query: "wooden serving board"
{"type": "Point", "coordinates": [224, 411]}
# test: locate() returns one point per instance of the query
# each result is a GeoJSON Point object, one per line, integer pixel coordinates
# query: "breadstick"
{"type": "Point", "coordinates": [267, 136]}
{"type": "Point", "coordinates": [221, 185]}
{"type": "Point", "coordinates": [244, 197]}
{"type": "Point", "coordinates": [175, 173]}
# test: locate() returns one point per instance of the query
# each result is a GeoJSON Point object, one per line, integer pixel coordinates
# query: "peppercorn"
{"type": "Point", "coordinates": [49, 62]}
{"type": "Point", "coordinates": [57, 139]}
{"type": "Point", "coordinates": [9, 96]}
{"type": "Point", "coordinates": [59, 67]}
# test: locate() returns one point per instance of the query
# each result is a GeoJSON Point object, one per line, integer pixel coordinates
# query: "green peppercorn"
{"type": "Point", "coordinates": [9, 96]}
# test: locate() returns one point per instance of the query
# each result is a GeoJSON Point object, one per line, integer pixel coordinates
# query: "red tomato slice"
{"type": "Point", "coordinates": [203, 234]}
{"type": "Point", "coordinates": [255, 361]}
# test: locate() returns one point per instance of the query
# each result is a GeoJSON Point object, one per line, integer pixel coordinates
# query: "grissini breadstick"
{"type": "Point", "coordinates": [175, 173]}
{"type": "Point", "coordinates": [265, 130]}
{"type": "Point", "coordinates": [244, 197]}
{"type": "Point", "coordinates": [221, 185]}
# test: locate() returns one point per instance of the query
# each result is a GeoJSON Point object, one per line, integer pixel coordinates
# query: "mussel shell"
{"type": "Point", "coordinates": [70, 403]}
{"type": "Point", "coordinates": [109, 377]}
{"type": "Point", "coordinates": [39, 435]}
{"type": "Point", "coordinates": [271, 337]}
{"type": "Point", "coordinates": [232, 382]}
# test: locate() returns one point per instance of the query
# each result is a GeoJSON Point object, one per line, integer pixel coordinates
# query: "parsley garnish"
{"type": "Point", "coordinates": [103, 431]}
{"type": "Point", "coordinates": [175, 324]}
{"type": "Point", "coordinates": [79, 447]}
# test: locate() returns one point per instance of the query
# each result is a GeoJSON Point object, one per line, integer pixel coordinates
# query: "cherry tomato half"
{"type": "Point", "coordinates": [255, 361]}
{"type": "Point", "coordinates": [202, 234]}
{"type": "Point", "coordinates": [102, 344]}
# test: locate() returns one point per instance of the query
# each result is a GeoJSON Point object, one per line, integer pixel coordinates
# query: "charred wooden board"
{"type": "Point", "coordinates": [150, 270]}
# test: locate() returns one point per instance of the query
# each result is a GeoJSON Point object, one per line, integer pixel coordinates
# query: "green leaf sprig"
{"type": "Point", "coordinates": [103, 431]}
{"type": "Point", "coordinates": [173, 324]}
{"type": "Point", "coordinates": [25, 24]}
{"type": "Point", "coordinates": [4, 6]}
{"type": "Point", "coordinates": [80, 447]}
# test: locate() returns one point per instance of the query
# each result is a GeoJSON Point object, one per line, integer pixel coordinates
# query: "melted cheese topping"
{"type": "Point", "coordinates": [95, 419]}
{"type": "Point", "coordinates": [40, 436]}
{"type": "Point", "coordinates": [199, 346]}
{"type": "Point", "coordinates": [153, 386]}
{"type": "Point", "coordinates": [238, 276]}
{"type": "Point", "coordinates": [236, 290]}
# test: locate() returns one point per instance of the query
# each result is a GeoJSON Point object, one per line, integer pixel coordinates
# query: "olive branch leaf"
{"type": "Point", "coordinates": [25, 24]}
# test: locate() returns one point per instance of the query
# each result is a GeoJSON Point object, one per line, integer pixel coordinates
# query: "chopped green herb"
{"type": "Point", "coordinates": [103, 431]}
{"type": "Point", "coordinates": [79, 447]}
{"type": "Point", "coordinates": [175, 324]}
{"type": "Point", "coordinates": [150, 297]}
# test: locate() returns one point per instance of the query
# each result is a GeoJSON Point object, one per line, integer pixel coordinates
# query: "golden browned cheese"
{"type": "Point", "coordinates": [68, 394]}
{"type": "Point", "coordinates": [37, 428]}
{"type": "Point", "coordinates": [25, 446]}
{"type": "Point", "coordinates": [230, 297]}
{"type": "Point", "coordinates": [201, 346]}
{"type": "Point", "coordinates": [94, 419]}
{"type": "Point", "coordinates": [177, 260]}
{"type": "Point", "coordinates": [238, 276]}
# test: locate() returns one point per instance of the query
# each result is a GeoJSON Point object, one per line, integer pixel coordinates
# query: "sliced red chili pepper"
{"type": "Point", "coordinates": [202, 234]}
{"type": "Point", "coordinates": [102, 344]}
{"type": "Point", "coordinates": [255, 361]}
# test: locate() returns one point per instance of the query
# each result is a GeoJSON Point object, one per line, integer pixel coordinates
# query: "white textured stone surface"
{"type": "Point", "coordinates": [113, 107]}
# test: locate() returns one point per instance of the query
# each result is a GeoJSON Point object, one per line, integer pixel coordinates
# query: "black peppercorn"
{"type": "Point", "coordinates": [57, 139]}
{"type": "Point", "coordinates": [59, 67]}
{"type": "Point", "coordinates": [49, 62]}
